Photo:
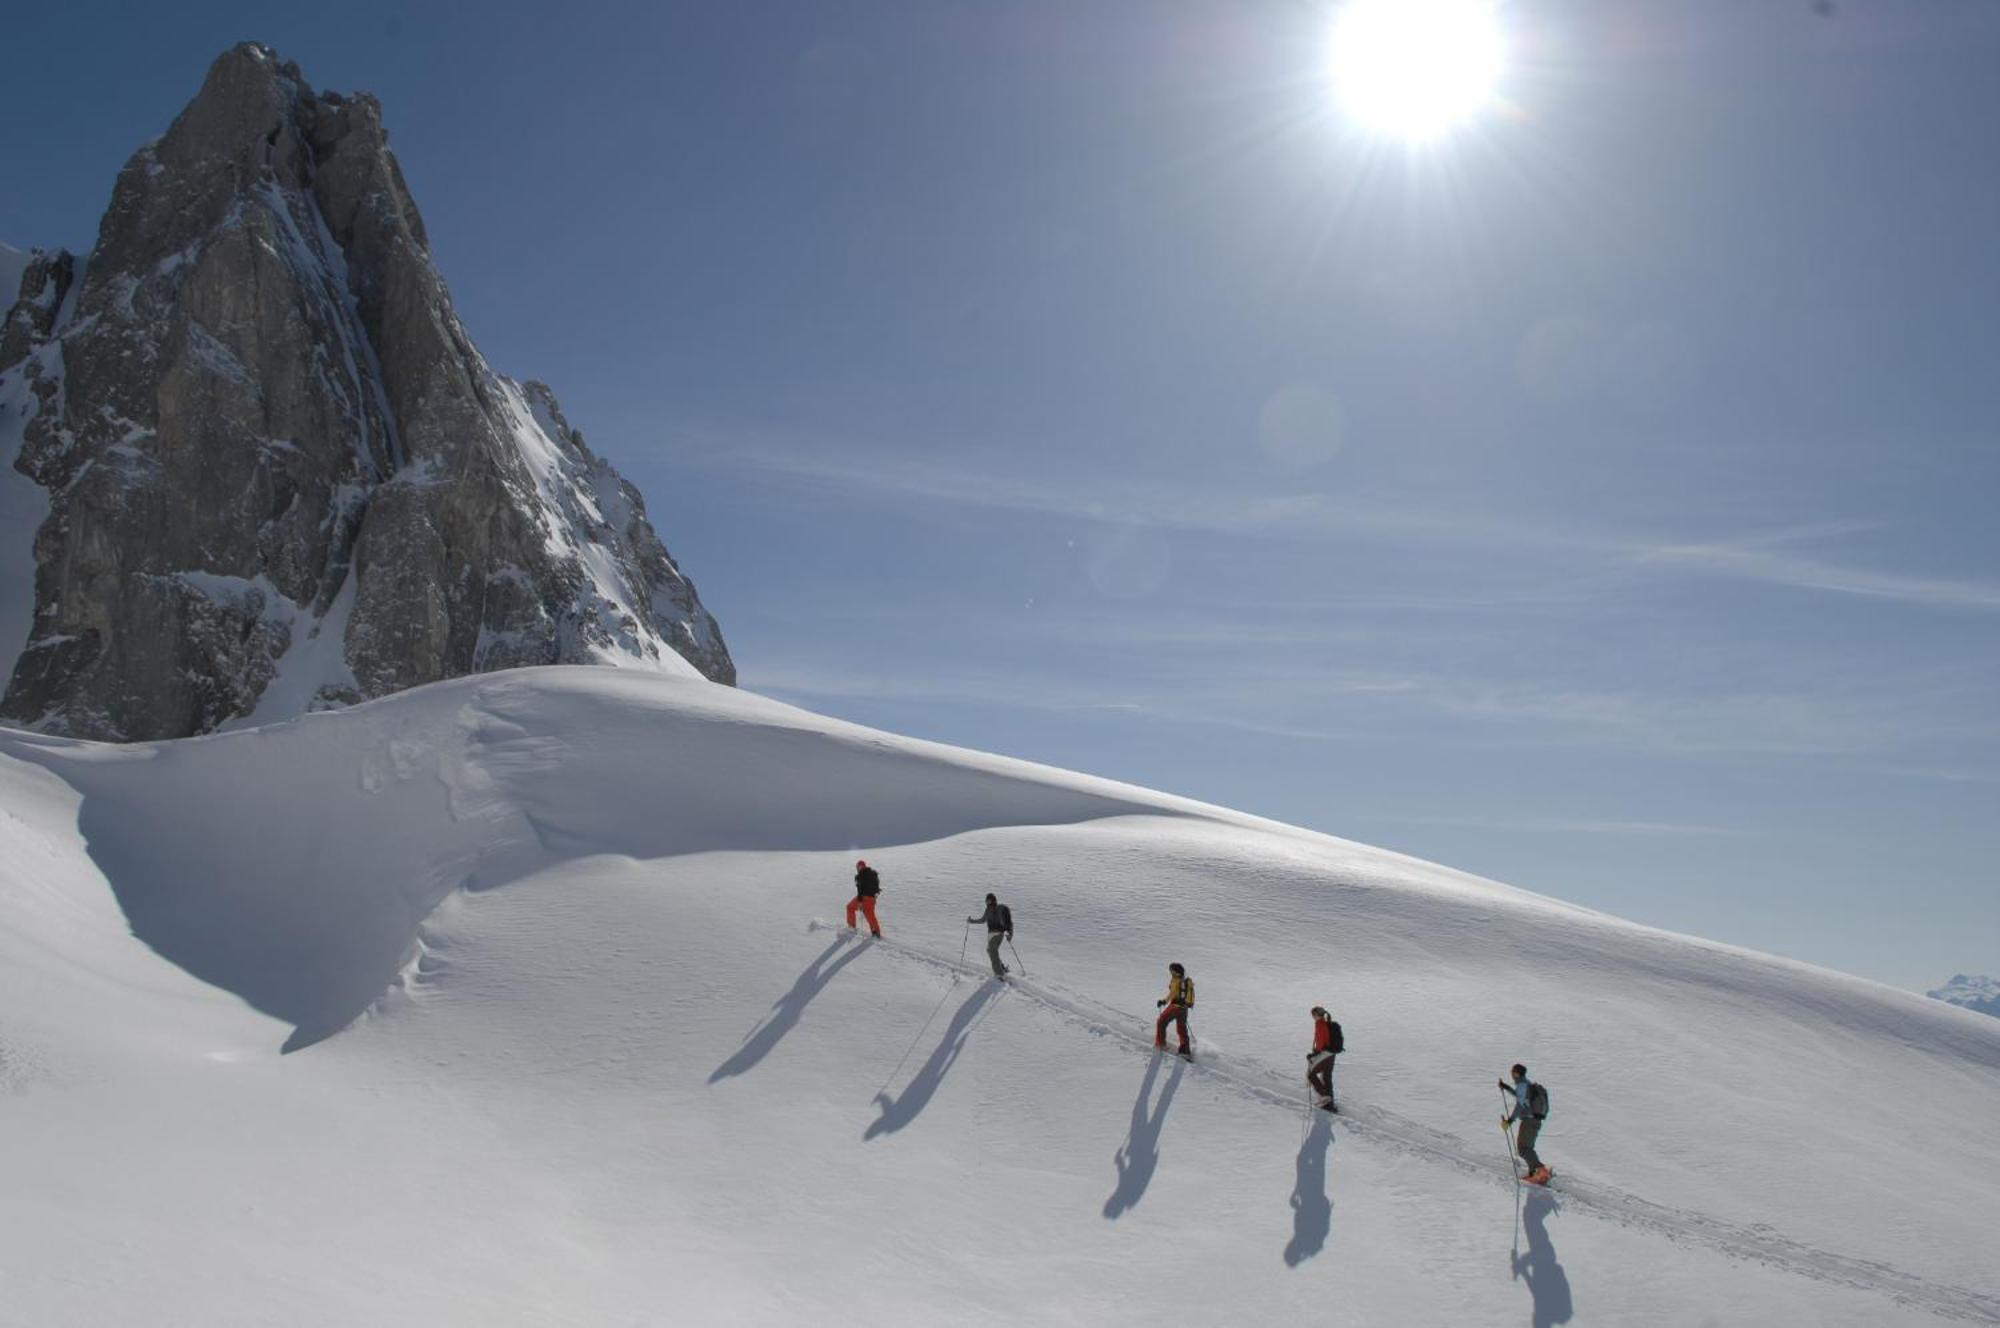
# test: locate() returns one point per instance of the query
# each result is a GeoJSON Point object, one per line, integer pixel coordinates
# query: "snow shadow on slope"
{"type": "Point", "coordinates": [230, 875]}
{"type": "Point", "coordinates": [785, 1012]}
{"type": "Point", "coordinates": [293, 865]}
{"type": "Point", "coordinates": [900, 1110]}
{"type": "Point", "coordinates": [1547, 1282]}
{"type": "Point", "coordinates": [1312, 1210]}
{"type": "Point", "coordinates": [1139, 1156]}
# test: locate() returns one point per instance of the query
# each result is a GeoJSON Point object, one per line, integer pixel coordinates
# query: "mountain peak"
{"type": "Point", "coordinates": [248, 93]}
{"type": "Point", "coordinates": [1980, 994]}
{"type": "Point", "coordinates": [278, 472]}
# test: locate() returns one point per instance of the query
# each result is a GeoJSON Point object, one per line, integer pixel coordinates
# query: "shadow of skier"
{"type": "Point", "coordinates": [785, 1012]}
{"type": "Point", "coordinates": [916, 1095]}
{"type": "Point", "coordinates": [1139, 1155]}
{"type": "Point", "coordinates": [1312, 1211]}
{"type": "Point", "coordinates": [1547, 1282]}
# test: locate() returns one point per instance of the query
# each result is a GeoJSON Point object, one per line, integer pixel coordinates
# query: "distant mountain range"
{"type": "Point", "coordinates": [1981, 993]}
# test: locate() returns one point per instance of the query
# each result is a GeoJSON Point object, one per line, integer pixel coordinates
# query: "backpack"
{"type": "Point", "coordinates": [1538, 1101]}
{"type": "Point", "coordinates": [1007, 919]}
{"type": "Point", "coordinates": [866, 882]}
{"type": "Point", "coordinates": [1339, 1042]}
{"type": "Point", "coordinates": [1187, 992]}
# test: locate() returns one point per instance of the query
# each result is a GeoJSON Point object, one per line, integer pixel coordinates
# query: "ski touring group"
{"type": "Point", "coordinates": [1527, 1101]}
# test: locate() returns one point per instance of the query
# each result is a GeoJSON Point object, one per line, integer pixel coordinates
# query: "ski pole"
{"type": "Point", "coordinates": [1017, 957]}
{"type": "Point", "coordinates": [1513, 1162]}
{"type": "Point", "coordinates": [964, 941]}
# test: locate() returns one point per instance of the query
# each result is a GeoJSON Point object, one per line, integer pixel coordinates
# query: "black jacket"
{"type": "Point", "coordinates": [867, 883]}
{"type": "Point", "coordinates": [997, 917]}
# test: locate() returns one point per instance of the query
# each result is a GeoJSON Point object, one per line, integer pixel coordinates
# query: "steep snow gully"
{"type": "Point", "coordinates": [565, 1061]}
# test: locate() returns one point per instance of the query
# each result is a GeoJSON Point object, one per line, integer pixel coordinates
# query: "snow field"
{"type": "Point", "coordinates": [617, 1077]}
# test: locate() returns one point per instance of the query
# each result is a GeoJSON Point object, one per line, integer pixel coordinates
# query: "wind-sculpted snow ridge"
{"type": "Point", "coordinates": [1259, 1083]}
{"type": "Point", "coordinates": [474, 788]}
{"type": "Point", "coordinates": [563, 1051]}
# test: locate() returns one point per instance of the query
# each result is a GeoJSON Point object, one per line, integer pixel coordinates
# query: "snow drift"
{"type": "Point", "coordinates": [569, 1045]}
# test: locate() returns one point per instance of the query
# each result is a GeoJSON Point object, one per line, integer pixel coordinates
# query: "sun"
{"type": "Point", "coordinates": [1416, 68]}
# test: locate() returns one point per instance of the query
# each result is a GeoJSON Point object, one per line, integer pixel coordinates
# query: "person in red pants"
{"type": "Point", "coordinates": [1174, 1008]}
{"type": "Point", "coordinates": [1327, 1044]}
{"type": "Point", "coordinates": [866, 886]}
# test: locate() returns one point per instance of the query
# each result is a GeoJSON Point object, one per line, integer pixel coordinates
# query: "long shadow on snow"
{"type": "Point", "coordinates": [293, 865]}
{"type": "Point", "coordinates": [900, 1110]}
{"type": "Point", "coordinates": [1547, 1282]}
{"type": "Point", "coordinates": [1312, 1211]}
{"type": "Point", "coordinates": [249, 883]}
{"type": "Point", "coordinates": [785, 1012]}
{"type": "Point", "coordinates": [1138, 1157]}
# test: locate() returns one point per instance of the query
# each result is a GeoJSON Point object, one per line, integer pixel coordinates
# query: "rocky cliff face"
{"type": "Point", "coordinates": [279, 474]}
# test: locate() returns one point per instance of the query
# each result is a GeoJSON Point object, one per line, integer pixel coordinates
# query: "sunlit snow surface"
{"type": "Point", "coordinates": [611, 1064]}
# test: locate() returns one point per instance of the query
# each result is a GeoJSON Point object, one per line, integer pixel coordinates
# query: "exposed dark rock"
{"type": "Point", "coordinates": [259, 421]}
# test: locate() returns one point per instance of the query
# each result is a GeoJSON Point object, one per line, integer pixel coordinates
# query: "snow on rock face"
{"type": "Point", "coordinates": [1979, 994]}
{"type": "Point", "coordinates": [610, 1071]}
{"type": "Point", "coordinates": [259, 377]}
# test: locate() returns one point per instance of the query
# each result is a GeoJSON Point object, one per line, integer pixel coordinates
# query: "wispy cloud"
{"type": "Point", "coordinates": [1318, 517]}
{"type": "Point", "coordinates": [1024, 694]}
{"type": "Point", "coordinates": [1279, 698]}
{"type": "Point", "coordinates": [1421, 646]}
{"type": "Point", "coordinates": [837, 473]}
{"type": "Point", "coordinates": [1746, 561]}
{"type": "Point", "coordinates": [1566, 825]}
{"type": "Point", "coordinates": [1011, 691]}
{"type": "Point", "coordinates": [1938, 774]}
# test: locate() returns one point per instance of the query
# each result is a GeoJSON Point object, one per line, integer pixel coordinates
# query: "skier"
{"type": "Point", "coordinates": [866, 886]}
{"type": "Point", "coordinates": [1530, 1109]}
{"type": "Point", "coordinates": [999, 920]}
{"type": "Point", "coordinates": [1327, 1044]}
{"type": "Point", "coordinates": [1174, 1008]}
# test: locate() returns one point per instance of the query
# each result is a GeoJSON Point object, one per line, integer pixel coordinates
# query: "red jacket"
{"type": "Point", "coordinates": [1322, 1035]}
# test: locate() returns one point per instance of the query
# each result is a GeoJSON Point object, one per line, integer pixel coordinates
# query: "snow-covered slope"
{"type": "Point", "coordinates": [621, 1075]}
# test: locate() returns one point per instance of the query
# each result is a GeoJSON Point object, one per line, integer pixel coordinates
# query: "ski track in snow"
{"type": "Point", "coordinates": [630, 807]}
{"type": "Point", "coordinates": [1259, 1083]}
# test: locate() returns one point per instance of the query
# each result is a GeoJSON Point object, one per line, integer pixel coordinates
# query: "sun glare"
{"type": "Point", "coordinates": [1416, 68]}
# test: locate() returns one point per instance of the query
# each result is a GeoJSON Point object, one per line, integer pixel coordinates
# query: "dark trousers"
{"type": "Point", "coordinates": [1525, 1131]}
{"type": "Point", "coordinates": [1320, 1076]}
{"type": "Point", "coordinates": [993, 939]}
{"type": "Point", "coordinates": [1176, 1015]}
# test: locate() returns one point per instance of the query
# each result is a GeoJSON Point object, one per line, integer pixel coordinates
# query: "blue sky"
{"type": "Point", "coordinates": [1599, 498]}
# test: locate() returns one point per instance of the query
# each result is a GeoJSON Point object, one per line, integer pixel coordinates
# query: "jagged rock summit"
{"type": "Point", "coordinates": [278, 474]}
